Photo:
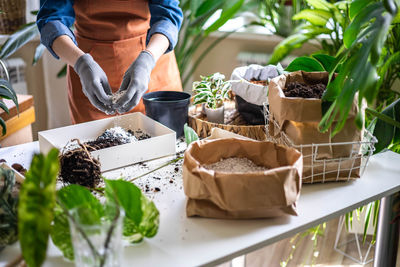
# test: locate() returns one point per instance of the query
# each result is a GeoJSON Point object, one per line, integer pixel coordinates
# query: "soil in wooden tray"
{"type": "Point", "coordinates": [235, 164]}
{"type": "Point", "coordinates": [263, 83]}
{"type": "Point", "coordinates": [78, 166]}
{"type": "Point", "coordinates": [296, 89]}
{"type": "Point", "coordinates": [116, 136]}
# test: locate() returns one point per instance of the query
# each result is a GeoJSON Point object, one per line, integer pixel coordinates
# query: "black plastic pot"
{"type": "Point", "coordinates": [252, 114]}
{"type": "Point", "coordinates": [169, 108]}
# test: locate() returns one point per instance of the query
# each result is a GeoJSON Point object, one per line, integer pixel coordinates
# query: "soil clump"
{"type": "Point", "coordinates": [78, 166]}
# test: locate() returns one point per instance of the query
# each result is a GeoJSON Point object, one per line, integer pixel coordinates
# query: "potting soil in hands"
{"type": "Point", "coordinates": [234, 164]}
{"type": "Point", "coordinates": [296, 89]}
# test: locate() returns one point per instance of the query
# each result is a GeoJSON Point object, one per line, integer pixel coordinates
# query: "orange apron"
{"type": "Point", "coordinates": [114, 33]}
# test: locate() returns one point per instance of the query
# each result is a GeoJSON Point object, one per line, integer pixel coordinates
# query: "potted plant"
{"type": "Point", "coordinates": [7, 92]}
{"type": "Point", "coordinates": [212, 91]}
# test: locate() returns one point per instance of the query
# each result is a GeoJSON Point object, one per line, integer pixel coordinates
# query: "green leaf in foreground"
{"type": "Point", "coordinates": [35, 210]}
{"type": "Point", "coordinates": [190, 134]}
{"type": "Point", "coordinates": [60, 233]}
{"type": "Point", "coordinates": [73, 197]}
{"type": "Point", "coordinates": [141, 215]}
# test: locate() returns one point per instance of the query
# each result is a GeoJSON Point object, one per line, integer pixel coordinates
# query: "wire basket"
{"type": "Point", "coordinates": [317, 169]}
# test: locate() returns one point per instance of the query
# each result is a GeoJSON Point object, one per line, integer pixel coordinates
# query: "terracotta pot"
{"type": "Point", "coordinates": [215, 115]}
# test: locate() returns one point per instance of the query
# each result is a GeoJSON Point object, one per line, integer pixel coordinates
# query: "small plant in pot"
{"type": "Point", "coordinates": [212, 91]}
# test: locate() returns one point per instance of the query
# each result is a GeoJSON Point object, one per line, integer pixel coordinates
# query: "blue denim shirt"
{"type": "Point", "coordinates": [55, 18]}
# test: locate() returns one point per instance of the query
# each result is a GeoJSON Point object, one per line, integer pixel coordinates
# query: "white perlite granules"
{"type": "Point", "coordinates": [118, 133]}
{"type": "Point", "coordinates": [241, 165]}
{"type": "Point", "coordinates": [116, 96]}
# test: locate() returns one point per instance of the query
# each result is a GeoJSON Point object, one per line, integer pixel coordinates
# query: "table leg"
{"type": "Point", "coordinates": [387, 237]}
{"type": "Point", "coordinates": [239, 261]}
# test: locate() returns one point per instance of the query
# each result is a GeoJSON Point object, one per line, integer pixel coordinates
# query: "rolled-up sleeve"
{"type": "Point", "coordinates": [55, 18]}
{"type": "Point", "coordinates": [166, 18]}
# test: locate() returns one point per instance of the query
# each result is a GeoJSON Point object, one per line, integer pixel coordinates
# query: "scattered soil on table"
{"type": "Point", "coordinates": [237, 165]}
{"type": "Point", "coordinates": [116, 136]}
{"type": "Point", "coordinates": [297, 89]}
{"type": "Point", "coordinates": [258, 82]}
{"type": "Point", "coordinates": [78, 166]}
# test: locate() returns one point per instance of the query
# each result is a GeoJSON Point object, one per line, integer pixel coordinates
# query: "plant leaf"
{"type": "Point", "coordinates": [190, 134]}
{"type": "Point", "coordinates": [317, 17]}
{"type": "Point", "coordinates": [387, 133]}
{"type": "Point", "coordinates": [227, 14]}
{"type": "Point", "coordinates": [325, 60]}
{"type": "Point", "coordinates": [38, 53]}
{"type": "Point", "coordinates": [3, 126]}
{"type": "Point", "coordinates": [60, 234]}
{"type": "Point", "coordinates": [35, 210]}
{"type": "Point", "coordinates": [19, 39]}
{"type": "Point", "coordinates": [142, 216]}
{"type": "Point", "coordinates": [320, 4]}
{"type": "Point", "coordinates": [6, 91]}
{"type": "Point", "coordinates": [364, 16]}
{"type": "Point", "coordinates": [356, 6]}
{"type": "Point", "coordinates": [305, 64]}
{"type": "Point", "coordinates": [76, 196]}
{"type": "Point", "coordinates": [62, 72]}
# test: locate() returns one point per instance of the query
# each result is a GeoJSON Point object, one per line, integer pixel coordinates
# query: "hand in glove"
{"type": "Point", "coordinates": [94, 82]}
{"type": "Point", "coordinates": [135, 82]}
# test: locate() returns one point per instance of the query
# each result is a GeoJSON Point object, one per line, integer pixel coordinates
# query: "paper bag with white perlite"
{"type": "Point", "coordinates": [298, 118]}
{"type": "Point", "coordinates": [228, 195]}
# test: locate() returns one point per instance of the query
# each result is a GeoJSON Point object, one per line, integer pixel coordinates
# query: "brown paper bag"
{"type": "Point", "coordinates": [298, 119]}
{"type": "Point", "coordinates": [241, 195]}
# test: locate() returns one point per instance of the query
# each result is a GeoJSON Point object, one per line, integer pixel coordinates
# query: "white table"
{"type": "Point", "coordinates": [183, 241]}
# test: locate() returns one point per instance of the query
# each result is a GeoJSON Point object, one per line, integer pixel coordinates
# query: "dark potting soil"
{"type": "Point", "coordinates": [77, 166]}
{"type": "Point", "coordinates": [296, 89]}
{"type": "Point", "coordinates": [116, 136]}
{"type": "Point", "coordinates": [19, 168]}
{"type": "Point", "coordinates": [263, 83]}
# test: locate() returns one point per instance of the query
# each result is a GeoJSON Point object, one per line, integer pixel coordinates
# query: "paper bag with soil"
{"type": "Point", "coordinates": [229, 195]}
{"type": "Point", "coordinates": [298, 119]}
{"type": "Point", "coordinates": [250, 86]}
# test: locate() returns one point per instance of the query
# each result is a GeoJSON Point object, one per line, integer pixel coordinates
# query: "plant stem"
{"type": "Point", "coordinates": [383, 117]}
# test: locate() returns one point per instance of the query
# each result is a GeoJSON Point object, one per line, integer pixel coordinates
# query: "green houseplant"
{"type": "Point", "coordinates": [368, 62]}
{"type": "Point", "coordinates": [195, 30]}
{"type": "Point", "coordinates": [277, 15]}
{"type": "Point", "coordinates": [212, 91]}
{"type": "Point", "coordinates": [8, 208]}
{"type": "Point", "coordinates": [6, 92]}
{"type": "Point", "coordinates": [323, 22]}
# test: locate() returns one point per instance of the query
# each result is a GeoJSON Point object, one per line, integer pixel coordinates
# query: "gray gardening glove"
{"type": "Point", "coordinates": [94, 82]}
{"type": "Point", "coordinates": [261, 73]}
{"type": "Point", "coordinates": [135, 82]}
